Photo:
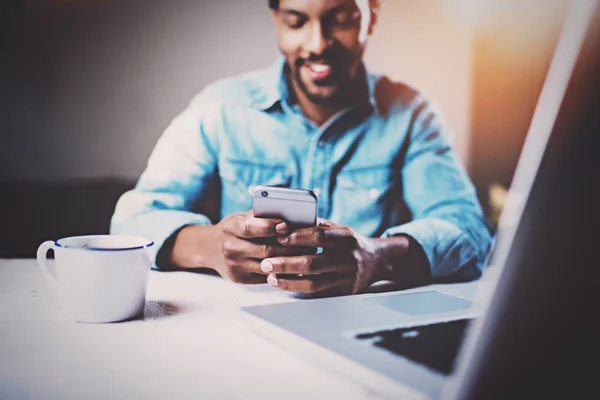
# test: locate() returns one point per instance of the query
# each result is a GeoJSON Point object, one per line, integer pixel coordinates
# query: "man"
{"type": "Point", "coordinates": [395, 202]}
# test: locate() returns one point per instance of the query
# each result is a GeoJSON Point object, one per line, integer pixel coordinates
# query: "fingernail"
{"type": "Point", "coordinates": [271, 280]}
{"type": "Point", "coordinates": [282, 239]}
{"type": "Point", "coordinates": [266, 266]}
{"type": "Point", "coordinates": [281, 227]}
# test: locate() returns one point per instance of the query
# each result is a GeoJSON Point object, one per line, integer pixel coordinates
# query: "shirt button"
{"type": "Point", "coordinates": [317, 191]}
{"type": "Point", "coordinates": [321, 143]}
{"type": "Point", "coordinates": [373, 193]}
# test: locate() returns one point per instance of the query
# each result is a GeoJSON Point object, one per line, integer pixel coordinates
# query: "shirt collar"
{"type": "Point", "coordinates": [276, 88]}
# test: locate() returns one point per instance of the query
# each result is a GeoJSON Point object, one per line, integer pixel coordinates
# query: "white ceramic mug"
{"type": "Point", "coordinates": [99, 278]}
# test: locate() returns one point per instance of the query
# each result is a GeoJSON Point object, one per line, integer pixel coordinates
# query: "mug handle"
{"type": "Point", "coordinates": [42, 252]}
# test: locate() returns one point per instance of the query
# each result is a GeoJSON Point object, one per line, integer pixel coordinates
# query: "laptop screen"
{"type": "Point", "coordinates": [536, 333]}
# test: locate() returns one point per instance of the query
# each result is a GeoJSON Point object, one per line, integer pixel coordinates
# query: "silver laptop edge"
{"type": "Point", "coordinates": [558, 77]}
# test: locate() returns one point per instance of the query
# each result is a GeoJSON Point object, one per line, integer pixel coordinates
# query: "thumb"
{"type": "Point", "coordinates": [326, 223]}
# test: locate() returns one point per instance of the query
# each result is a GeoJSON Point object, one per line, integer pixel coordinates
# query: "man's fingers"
{"type": "Point", "coordinates": [253, 279]}
{"type": "Point", "coordinates": [309, 264]}
{"type": "Point", "coordinates": [325, 222]}
{"type": "Point", "coordinates": [244, 277]}
{"type": "Point", "coordinates": [248, 227]}
{"type": "Point", "coordinates": [337, 237]}
{"type": "Point", "coordinates": [312, 284]}
{"type": "Point", "coordinates": [236, 248]}
{"type": "Point", "coordinates": [245, 266]}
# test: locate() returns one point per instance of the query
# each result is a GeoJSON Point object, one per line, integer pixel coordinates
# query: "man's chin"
{"type": "Point", "coordinates": [325, 91]}
{"type": "Point", "coordinates": [322, 95]}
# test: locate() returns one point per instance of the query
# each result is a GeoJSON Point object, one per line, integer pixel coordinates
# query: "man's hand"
{"type": "Point", "coordinates": [349, 261]}
{"type": "Point", "coordinates": [231, 246]}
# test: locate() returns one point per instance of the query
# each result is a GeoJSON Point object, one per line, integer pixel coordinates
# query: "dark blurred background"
{"type": "Point", "coordinates": [87, 87]}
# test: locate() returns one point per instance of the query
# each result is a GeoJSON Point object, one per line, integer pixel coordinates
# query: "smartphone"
{"type": "Point", "coordinates": [298, 207]}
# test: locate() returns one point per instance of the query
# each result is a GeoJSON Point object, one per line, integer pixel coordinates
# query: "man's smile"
{"type": "Point", "coordinates": [318, 71]}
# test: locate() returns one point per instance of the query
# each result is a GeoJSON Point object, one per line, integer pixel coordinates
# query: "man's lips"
{"type": "Point", "coordinates": [318, 71]}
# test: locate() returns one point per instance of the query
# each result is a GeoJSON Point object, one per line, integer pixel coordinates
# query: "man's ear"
{"type": "Point", "coordinates": [373, 19]}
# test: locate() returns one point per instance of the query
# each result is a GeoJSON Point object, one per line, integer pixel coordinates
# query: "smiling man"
{"type": "Point", "coordinates": [394, 201]}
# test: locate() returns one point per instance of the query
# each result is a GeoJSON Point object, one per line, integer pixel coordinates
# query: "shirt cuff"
{"type": "Point", "coordinates": [451, 253]}
{"type": "Point", "coordinates": [159, 226]}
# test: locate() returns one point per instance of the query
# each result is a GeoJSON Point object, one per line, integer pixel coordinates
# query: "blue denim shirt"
{"type": "Point", "coordinates": [384, 169]}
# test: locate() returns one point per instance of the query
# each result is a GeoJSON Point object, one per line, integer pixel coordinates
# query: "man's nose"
{"type": "Point", "coordinates": [317, 41]}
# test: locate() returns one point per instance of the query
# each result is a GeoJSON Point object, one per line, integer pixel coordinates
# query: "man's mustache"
{"type": "Point", "coordinates": [330, 57]}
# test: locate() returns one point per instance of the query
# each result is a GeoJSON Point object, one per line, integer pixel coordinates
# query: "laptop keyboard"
{"type": "Point", "coordinates": [434, 346]}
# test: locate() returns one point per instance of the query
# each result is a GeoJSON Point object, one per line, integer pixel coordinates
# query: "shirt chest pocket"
{"type": "Point", "coordinates": [238, 179]}
{"type": "Point", "coordinates": [362, 196]}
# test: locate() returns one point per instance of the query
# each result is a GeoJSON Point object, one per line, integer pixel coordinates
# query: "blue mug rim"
{"type": "Point", "coordinates": [149, 243]}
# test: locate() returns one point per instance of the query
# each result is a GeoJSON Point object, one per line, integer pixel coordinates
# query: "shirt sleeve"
{"type": "Point", "coordinates": [447, 217]}
{"type": "Point", "coordinates": [179, 171]}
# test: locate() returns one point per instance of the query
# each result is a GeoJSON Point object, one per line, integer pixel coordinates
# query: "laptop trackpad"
{"type": "Point", "coordinates": [421, 303]}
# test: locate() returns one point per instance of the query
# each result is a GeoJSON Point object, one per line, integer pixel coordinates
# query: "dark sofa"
{"type": "Point", "coordinates": [32, 212]}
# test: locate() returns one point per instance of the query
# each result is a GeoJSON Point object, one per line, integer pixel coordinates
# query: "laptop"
{"type": "Point", "coordinates": [523, 336]}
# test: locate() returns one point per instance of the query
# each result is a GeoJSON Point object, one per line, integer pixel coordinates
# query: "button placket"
{"type": "Point", "coordinates": [321, 171]}
{"type": "Point", "coordinates": [319, 164]}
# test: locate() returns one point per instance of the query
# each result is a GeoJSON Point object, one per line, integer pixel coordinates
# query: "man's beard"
{"type": "Point", "coordinates": [337, 58]}
{"type": "Point", "coordinates": [316, 99]}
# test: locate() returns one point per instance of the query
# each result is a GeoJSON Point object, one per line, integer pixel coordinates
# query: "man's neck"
{"type": "Point", "coordinates": [319, 113]}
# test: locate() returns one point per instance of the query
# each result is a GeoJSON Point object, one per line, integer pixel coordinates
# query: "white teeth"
{"type": "Point", "coordinates": [319, 67]}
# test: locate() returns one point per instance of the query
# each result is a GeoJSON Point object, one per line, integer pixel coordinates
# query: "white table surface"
{"type": "Point", "coordinates": [192, 343]}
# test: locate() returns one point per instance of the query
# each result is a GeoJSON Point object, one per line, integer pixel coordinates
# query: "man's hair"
{"type": "Point", "coordinates": [274, 4]}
